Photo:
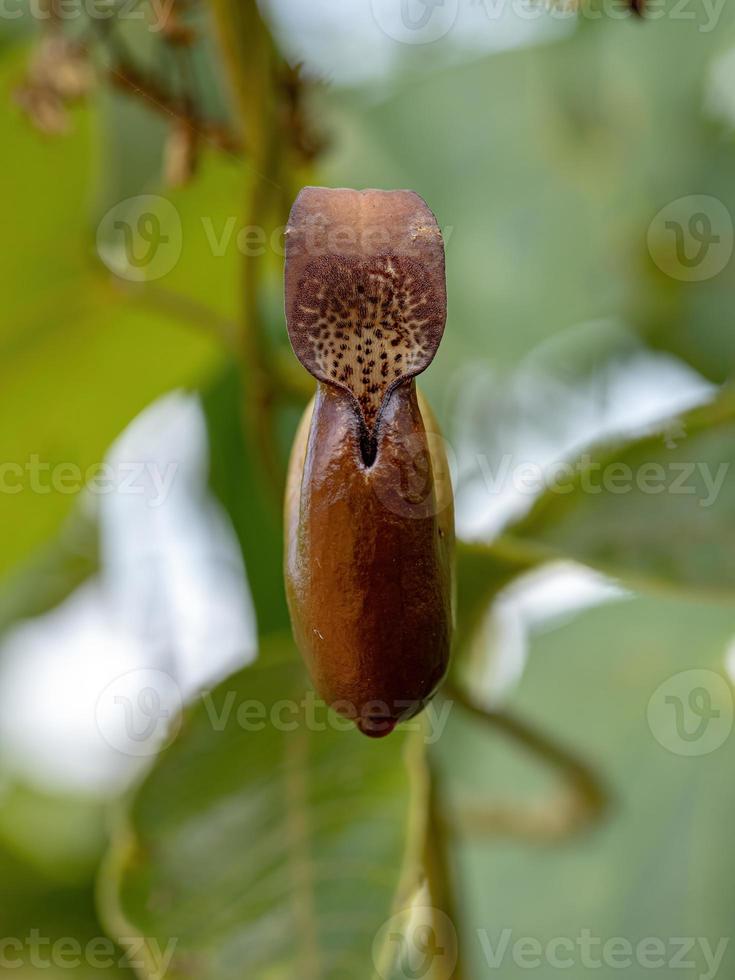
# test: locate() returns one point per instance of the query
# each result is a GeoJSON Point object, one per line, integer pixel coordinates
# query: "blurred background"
{"type": "Point", "coordinates": [580, 160]}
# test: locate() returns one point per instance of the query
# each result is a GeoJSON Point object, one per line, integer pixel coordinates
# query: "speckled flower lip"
{"type": "Point", "coordinates": [365, 296]}
{"type": "Point", "coordinates": [370, 323]}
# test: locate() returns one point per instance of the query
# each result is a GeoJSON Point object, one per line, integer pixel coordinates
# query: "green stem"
{"type": "Point", "coordinates": [251, 61]}
{"type": "Point", "coordinates": [585, 802]}
{"type": "Point", "coordinates": [439, 870]}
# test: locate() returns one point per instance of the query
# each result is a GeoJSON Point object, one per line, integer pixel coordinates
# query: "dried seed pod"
{"type": "Point", "coordinates": [369, 516]}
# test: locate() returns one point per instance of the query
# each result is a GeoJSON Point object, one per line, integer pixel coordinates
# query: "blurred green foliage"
{"type": "Point", "coordinates": [673, 529]}
{"type": "Point", "coordinates": [273, 854]}
{"type": "Point", "coordinates": [288, 823]}
{"type": "Point", "coordinates": [659, 866]}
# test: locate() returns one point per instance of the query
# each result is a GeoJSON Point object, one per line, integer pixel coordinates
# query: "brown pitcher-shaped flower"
{"type": "Point", "coordinates": [369, 514]}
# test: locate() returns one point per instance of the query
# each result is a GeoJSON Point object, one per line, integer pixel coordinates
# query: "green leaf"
{"type": "Point", "coordinates": [54, 573]}
{"type": "Point", "coordinates": [44, 196]}
{"type": "Point", "coordinates": [266, 851]}
{"type": "Point", "coordinates": [61, 837]}
{"type": "Point", "coordinates": [482, 571]}
{"type": "Point", "coordinates": [661, 864]}
{"type": "Point", "coordinates": [53, 928]}
{"type": "Point", "coordinates": [114, 359]}
{"type": "Point", "coordinates": [50, 846]}
{"type": "Point", "coordinates": [691, 320]}
{"type": "Point", "coordinates": [79, 358]}
{"type": "Point", "coordinates": [658, 512]}
{"type": "Point", "coordinates": [239, 485]}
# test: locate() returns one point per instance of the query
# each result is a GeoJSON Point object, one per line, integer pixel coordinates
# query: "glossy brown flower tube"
{"type": "Point", "coordinates": [369, 515]}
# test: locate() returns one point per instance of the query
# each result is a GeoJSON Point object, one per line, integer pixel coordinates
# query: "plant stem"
{"type": "Point", "coordinates": [251, 61]}
{"type": "Point", "coordinates": [439, 869]}
{"type": "Point", "coordinates": [586, 802]}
